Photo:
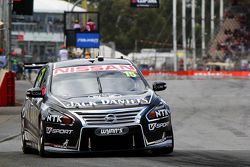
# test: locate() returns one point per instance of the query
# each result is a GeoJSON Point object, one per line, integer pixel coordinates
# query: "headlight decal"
{"type": "Point", "coordinates": [67, 120]}
{"type": "Point", "coordinates": [54, 116]}
{"type": "Point", "coordinates": [157, 113]}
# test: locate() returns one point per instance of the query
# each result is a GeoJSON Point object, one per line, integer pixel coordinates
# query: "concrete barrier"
{"type": "Point", "coordinates": [7, 88]}
{"type": "Point", "coordinates": [193, 73]}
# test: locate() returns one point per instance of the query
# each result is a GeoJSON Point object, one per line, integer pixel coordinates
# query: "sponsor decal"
{"type": "Point", "coordinates": [111, 131]}
{"type": "Point", "coordinates": [110, 118]}
{"type": "Point", "coordinates": [154, 126]}
{"type": "Point", "coordinates": [65, 144]}
{"type": "Point", "coordinates": [50, 130]}
{"type": "Point", "coordinates": [157, 114]}
{"type": "Point", "coordinates": [80, 104]}
{"type": "Point", "coordinates": [66, 70]}
{"type": "Point", "coordinates": [108, 102]}
{"type": "Point", "coordinates": [36, 93]}
{"type": "Point", "coordinates": [145, 3]}
{"type": "Point", "coordinates": [104, 95]}
{"type": "Point", "coordinates": [130, 74]}
{"type": "Point", "coordinates": [87, 40]}
{"type": "Point", "coordinates": [54, 118]}
{"type": "Point", "coordinates": [127, 101]}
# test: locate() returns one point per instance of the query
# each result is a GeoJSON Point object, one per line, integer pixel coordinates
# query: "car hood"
{"type": "Point", "coordinates": [107, 100]}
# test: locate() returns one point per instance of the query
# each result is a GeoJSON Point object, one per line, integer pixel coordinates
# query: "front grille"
{"type": "Point", "coordinates": [109, 117]}
{"type": "Point", "coordinates": [91, 142]}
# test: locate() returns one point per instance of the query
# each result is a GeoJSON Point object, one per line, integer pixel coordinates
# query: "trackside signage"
{"type": "Point", "coordinates": [66, 70]}
{"type": "Point", "coordinates": [144, 3]}
{"type": "Point", "coordinates": [87, 40]}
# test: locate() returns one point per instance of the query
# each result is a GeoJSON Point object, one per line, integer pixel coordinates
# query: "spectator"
{"type": "Point", "coordinates": [14, 64]}
{"type": "Point", "coordinates": [19, 73]}
{"type": "Point", "coordinates": [181, 64]}
{"type": "Point", "coordinates": [50, 26]}
{"type": "Point", "coordinates": [226, 14]}
{"type": "Point", "coordinates": [87, 55]}
{"type": "Point", "coordinates": [77, 26]}
{"type": "Point", "coordinates": [2, 61]}
{"type": "Point", "coordinates": [90, 26]}
{"type": "Point", "coordinates": [29, 71]}
{"type": "Point", "coordinates": [63, 54]}
{"type": "Point", "coordinates": [234, 2]}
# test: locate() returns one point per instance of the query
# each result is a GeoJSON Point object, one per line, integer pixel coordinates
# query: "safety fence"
{"type": "Point", "coordinates": [193, 74]}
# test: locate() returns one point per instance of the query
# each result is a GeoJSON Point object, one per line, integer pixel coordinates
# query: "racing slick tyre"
{"type": "Point", "coordinates": [161, 151]}
{"type": "Point", "coordinates": [166, 150]}
{"type": "Point", "coordinates": [25, 148]}
{"type": "Point", "coordinates": [40, 145]}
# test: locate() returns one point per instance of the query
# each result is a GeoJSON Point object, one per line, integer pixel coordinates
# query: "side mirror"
{"type": "Point", "coordinates": [35, 92]}
{"type": "Point", "coordinates": [159, 86]}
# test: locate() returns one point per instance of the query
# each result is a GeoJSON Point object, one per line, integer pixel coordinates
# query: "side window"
{"type": "Point", "coordinates": [45, 78]}
{"type": "Point", "coordinates": [37, 80]}
{"type": "Point", "coordinates": [39, 77]}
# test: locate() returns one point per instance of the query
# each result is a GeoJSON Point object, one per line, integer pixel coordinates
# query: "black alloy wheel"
{"type": "Point", "coordinates": [165, 150]}
{"type": "Point", "coordinates": [25, 148]}
{"type": "Point", "coordinates": [40, 146]}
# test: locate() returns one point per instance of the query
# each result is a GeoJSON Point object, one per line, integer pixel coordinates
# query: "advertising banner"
{"type": "Point", "coordinates": [87, 40]}
{"type": "Point", "coordinates": [144, 3]}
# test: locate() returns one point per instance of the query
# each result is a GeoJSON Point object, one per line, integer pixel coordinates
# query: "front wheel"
{"type": "Point", "coordinates": [161, 151]}
{"type": "Point", "coordinates": [165, 150]}
{"type": "Point", "coordinates": [40, 147]}
{"type": "Point", "coordinates": [25, 148]}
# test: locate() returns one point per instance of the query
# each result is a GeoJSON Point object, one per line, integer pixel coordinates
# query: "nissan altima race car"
{"type": "Point", "coordinates": [92, 105]}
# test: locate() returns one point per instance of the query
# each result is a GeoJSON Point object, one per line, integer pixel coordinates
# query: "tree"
{"type": "Point", "coordinates": [123, 25]}
{"type": "Point", "coordinates": [151, 28]}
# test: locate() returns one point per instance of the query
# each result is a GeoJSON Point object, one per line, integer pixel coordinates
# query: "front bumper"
{"type": "Point", "coordinates": [88, 141]}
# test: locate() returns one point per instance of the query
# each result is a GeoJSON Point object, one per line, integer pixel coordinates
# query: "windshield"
{"type": "Point", "coordinates": [78, 84]}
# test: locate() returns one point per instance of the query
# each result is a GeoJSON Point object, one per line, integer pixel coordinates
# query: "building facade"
{"type": "Point", "coordinates": [38, 37]}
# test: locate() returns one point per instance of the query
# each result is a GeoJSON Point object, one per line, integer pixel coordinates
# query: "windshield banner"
{"type": "Point", "coordinates": [66, 70]}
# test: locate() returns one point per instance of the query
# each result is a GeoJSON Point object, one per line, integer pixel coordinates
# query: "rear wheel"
{"type": "Point", "coordinates": [40, 147]}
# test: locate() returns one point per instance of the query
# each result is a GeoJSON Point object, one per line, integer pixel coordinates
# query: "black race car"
{"type": "Point", "coordinates": [91, 105]}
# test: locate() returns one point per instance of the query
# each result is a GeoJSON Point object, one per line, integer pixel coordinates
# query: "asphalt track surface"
{"type": "Point", "coordinates": [211, 120]}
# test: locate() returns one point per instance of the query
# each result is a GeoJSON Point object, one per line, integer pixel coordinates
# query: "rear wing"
{"type": "Point", "coordinates": [34, 65]}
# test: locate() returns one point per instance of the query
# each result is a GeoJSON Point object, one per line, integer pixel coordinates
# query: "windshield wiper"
{"type": "Point", "coordinates": [78, 96]}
